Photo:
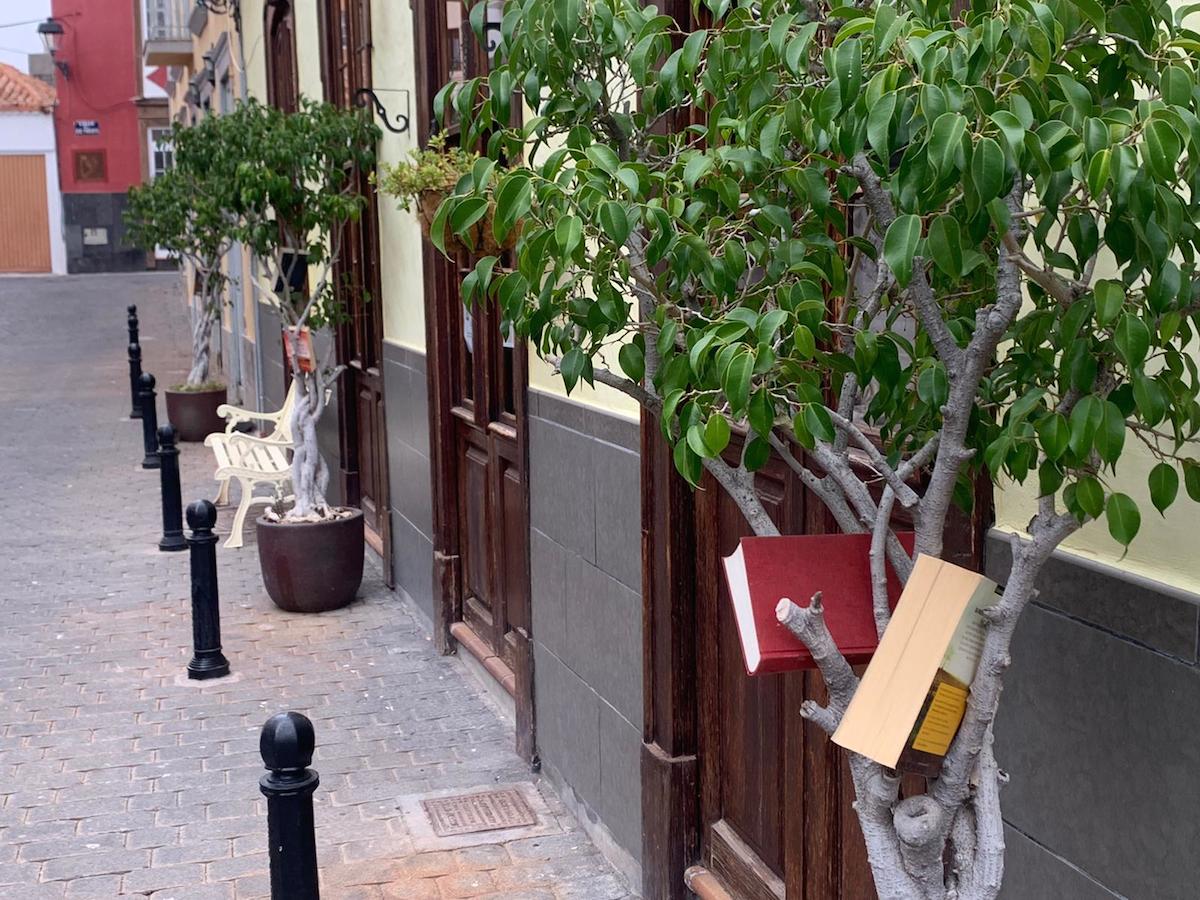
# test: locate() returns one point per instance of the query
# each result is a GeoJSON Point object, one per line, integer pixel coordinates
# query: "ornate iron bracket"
{"type": "Point", "coordinates": [370, 96]}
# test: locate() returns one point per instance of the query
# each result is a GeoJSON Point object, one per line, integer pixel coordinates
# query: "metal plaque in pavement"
{"type": "Point", "coordinates": [470, 813]}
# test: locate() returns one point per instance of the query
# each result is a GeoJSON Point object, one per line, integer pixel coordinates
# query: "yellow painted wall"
{"type": "Point", "coordinates": [254, 44]}
{"type": "Point", "coordinates": [1165, 547]}
{"type": "Point", "coordinates": [401, 272]}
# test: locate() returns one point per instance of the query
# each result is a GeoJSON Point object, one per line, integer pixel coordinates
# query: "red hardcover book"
{"type": "Point", "coordinates": [764, 570]}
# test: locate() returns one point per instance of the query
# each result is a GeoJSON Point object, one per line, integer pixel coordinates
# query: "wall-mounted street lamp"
{"type": "Point", "coordinates": [397, 124]}
{"type": "Point", "coordinates": [51, 33]}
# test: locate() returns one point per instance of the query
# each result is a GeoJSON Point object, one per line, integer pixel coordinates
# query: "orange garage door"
{"type": "Point", "coordinates": [24, 222]}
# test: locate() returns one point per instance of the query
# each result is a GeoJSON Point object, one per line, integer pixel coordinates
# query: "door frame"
{"type": "Point", "coordinates": [347, 386]}
{"type": "Point", "coordinates": [442, 306]}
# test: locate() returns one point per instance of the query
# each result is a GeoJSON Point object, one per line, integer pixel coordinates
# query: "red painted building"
{"type": "Point", "coordinates": [104, 125]}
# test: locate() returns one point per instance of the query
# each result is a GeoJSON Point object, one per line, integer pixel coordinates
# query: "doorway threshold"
{"type": "Point", "coordinates": [491, 671]}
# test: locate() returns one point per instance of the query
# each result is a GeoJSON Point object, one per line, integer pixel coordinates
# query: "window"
{"type": "Point", "coordinates": [162, 154]}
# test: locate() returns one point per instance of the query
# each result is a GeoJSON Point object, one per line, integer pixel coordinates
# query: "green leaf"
{"type": "Point", "coordinates": [632, 361]}
{"type": "Point", "coordinates": [1150, 399]}
{"type": "Point", "coordinates": [946, 143]}
{"type": "Point", "coordinates": [1133, 340]}
{"type": "Point", "coordinates": [987, 169]}
{"type": "Point", "coordinates": [615, 221]}
{"type": "Point", "coordinates": [1161, 149]}
{"type": "Point", "coordinates": [1175, 85]}
{"type": "Point", "coordinates": [1012, 129]}
{"type": "Point", "coordinates": [816, 418]}
{"type": "Point", "coordinates": [803, 435]}
{"type": "Point", "coordinates": [604, 157]}
{"type": "Point", "coordinates": [1123, 517]}
{"type": "Point", "coordinates": [879, 122]}
{"type": "Point", "coordinates": [697, 167]}
{"type": "Point", "coordinates": [1110, 436]}
{"type": "Point", "coordinates": [574, 364]}
{"type": "Point", "coordinates": [933, 387]}
{"type": "Point", "coordinates": [568, 234]}
{"type": "Point", "coordinates": [1097, 174]}
{"type": "Point", "coordinates": [1164, 486]}
{"type": "Point", "coordinates": [1110, 297]}
{"type": "Point", "coordinates": [1093, 11]}
{"type": "Point", "coordinates": [466, 213]}
{"type": "Point", "coordinates": [806, 344]}
{"type": "Point", "coordinates": [513, 199]}
{"type": "Point", "coordinates": [697, 443]}
{"type": "Point", "coordinates": [716, 433]}
{"type": "Point", "coordinates": [1085, 421]}
{"type": "Point", "coordinates": [900, 246]}
{"type": "Point", "coordinates": [1089, 494]}
{"type": "Point", "coordinates": [944, 245]}
{"type": "Point", "coordinates": [1191, 479]}
{"type": "Point", "coordinates": [735, 381]}
{"type": "Point", "coordinates": [1054, 434]}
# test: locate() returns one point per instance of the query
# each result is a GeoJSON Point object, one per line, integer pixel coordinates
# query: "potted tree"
{"type": "Point", "coordinates": [188, 210]}
{"type": "Point", "coordinates": [907, 248]}
{"type": "Point", "coordinates": [296, 181]}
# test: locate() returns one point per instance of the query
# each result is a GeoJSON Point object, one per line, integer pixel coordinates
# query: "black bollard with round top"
{"type": "Point", "coordinates": [172, 499]}
{"type": "Point", "coordinates": [149, 421]}
{"type": "Point", "coordinates": [207, 659]}
{"type": "Point", "coordinates": [135, 362]}
{"type": "Point", "coordinates": [135, 379]}
{"type": "Point", "coordinates": [286, 744]}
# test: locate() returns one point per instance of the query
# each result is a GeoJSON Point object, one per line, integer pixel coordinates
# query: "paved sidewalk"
{"type": "Point", "coordinates": [118, 777]}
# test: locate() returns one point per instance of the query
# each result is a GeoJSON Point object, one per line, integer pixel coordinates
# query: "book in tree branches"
{"type": "Point", "coordinates": [912, 698]}
{"type": "Point", "coordinates": [764, 570]}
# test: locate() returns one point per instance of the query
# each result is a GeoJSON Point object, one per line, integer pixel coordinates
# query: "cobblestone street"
{"type": "Point", "coordinates": [118, 776]}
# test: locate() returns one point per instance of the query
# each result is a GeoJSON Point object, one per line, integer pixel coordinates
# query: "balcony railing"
{"type": "Point", "coordinates": [168, 37]}
{"type": "Point", "coordinates": [167, 20]}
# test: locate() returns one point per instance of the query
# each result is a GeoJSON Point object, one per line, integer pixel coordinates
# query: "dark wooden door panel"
{"type": "Point", "coordinates": [777, 820]}
{"type": "Point", "coordinates": [346, 68]}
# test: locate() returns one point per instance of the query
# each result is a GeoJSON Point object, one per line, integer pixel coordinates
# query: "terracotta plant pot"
{"type": "Point", "coordinates": [481, 232]}
{"type": "Point", "coordinates": [312, 567]}
{"type": "Point", "coordinates": [194, 413]}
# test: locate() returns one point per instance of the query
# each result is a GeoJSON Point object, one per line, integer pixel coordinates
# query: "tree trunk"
{"type": "Point", "coordinates": [310, 474]}
{"type": "Point", "coordinates": [201, 335]}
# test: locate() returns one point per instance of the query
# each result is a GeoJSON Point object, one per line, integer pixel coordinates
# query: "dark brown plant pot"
{"type": "Point", "coordinates": [194, 413]}
{"type": "Point", "coordinates": [312, 567]}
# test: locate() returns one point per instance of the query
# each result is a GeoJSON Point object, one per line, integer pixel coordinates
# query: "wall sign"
{"type": "Point", "coordinates": [95, 237]}
{"type": "Point", "coordinates": [87, 126]}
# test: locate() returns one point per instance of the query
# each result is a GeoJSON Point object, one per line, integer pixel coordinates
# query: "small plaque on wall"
{"type": "Point", "coordinates": [95, 237]}
{"type": "Point", "coordinates": [87, 126]}
{"type": "Point", "coordinates": [91, 165]}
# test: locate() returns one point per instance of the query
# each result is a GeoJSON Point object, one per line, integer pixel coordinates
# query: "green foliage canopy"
{"type": "Point", "coordinates": [800, 196]}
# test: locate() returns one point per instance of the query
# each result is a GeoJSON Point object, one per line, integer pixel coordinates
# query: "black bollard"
{"type": "Point", "coordinates": [172, 501]}
{"type": "Point", "coordinates": [149, 421]}
{"type": "Point", "coordinates": [135, 377]}
{"type": "Point", "coordinates": [286, 745]}
{"type": "Point", "coordinates": [133, 322]}
{"type": "Point", "coordinates": [207, 659]}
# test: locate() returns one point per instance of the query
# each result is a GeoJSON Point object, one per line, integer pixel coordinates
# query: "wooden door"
{"type": "Point", "coordinates": [775, 795]}
{"type": "Point", "coordinates": [346, 26]}
{"type": "Point", "coordinates": [478, 384]}
{"type": "Point", "coordinates": [283, 91]}
{"type": "Point", "coordinates": [24, 217]}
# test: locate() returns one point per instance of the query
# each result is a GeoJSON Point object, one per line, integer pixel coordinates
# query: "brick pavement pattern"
{"type": "Point", "coordinates": [118, 777]}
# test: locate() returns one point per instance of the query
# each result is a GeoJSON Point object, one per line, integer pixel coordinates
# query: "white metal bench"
{"type": "Point", "coordinates": [254, 461]}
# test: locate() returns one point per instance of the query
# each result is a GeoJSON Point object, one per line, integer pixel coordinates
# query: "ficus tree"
{"type": "Point", "coordinates": [297, 181]}
{"type": "Point", "coordinates": [951, 239]}
{"type": "Point", "coordinates": [189, 210]}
